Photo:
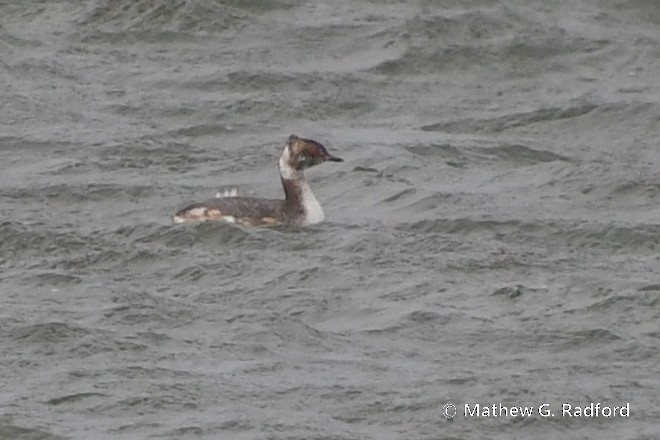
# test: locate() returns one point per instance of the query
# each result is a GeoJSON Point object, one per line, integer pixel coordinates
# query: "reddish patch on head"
{"type": "Point", "coordinates": [315, 149]}
{"type": "Point", "coordinates": [305, 153]}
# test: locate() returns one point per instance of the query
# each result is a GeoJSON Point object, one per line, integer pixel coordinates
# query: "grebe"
{"type": "Point", "coordinates": [299, 206]}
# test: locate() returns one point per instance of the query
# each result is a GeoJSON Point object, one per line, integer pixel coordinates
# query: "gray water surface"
{"type": "Point", "coordinates": [492, 236]}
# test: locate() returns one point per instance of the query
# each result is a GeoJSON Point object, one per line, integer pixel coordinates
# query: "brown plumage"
{"type": "Point", "coordinates": [299, 206]}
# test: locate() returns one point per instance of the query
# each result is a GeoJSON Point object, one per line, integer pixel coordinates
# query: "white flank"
{"type": "Point", "coordinates": [198, 212]}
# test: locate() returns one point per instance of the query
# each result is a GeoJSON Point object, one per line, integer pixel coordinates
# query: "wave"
{"type": "Point", "coordinates": [508, 41]}
{"type": "Point", "coordinates": [568, 234]}
{"type": "Point", "coordinates": [463, 156]}
{"type": "Point", "coordinates": [501, 123]}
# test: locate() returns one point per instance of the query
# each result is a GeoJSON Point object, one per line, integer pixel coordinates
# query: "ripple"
{"type": "Point", "coordinates": [11, 431]}
{"type": "Point", "coordinates": [466, 156]}
{"type": "Point", "coordinates": [501, 123]}
{"type": "Point", "coordinates": [565, 233]}
{"type": "Point", "coordinates": [51, 332]}
{"type": "Point", "coordinates": [209, 234]}
{"type": "Point", "coordinates": [149, 20]}
{"type": "Point", "coordinates": [73, 398]}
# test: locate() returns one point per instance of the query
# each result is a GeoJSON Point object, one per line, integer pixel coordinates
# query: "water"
{"type": "Point", "coordinates": [491, 238]}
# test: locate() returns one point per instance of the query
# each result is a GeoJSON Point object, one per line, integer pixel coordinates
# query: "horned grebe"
{"type": "Point", "coordinates": [299, 206]}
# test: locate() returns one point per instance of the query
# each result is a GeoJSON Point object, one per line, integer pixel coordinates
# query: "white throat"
{"type": "Point", "coordinates": [313, 210]}
{"type": "Point", "coordinates": [311, 206]}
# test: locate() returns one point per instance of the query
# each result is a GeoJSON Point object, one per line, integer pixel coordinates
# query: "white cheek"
{"type": "Point", "coordinates": [287, 171]}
